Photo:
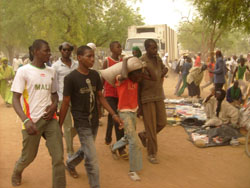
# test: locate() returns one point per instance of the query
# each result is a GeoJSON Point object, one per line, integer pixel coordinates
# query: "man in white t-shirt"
{"type": "Point", "coordinates": [63, 67]}
{"type": "Point", "coordinates": [16, 63]}
{"type": "Point", "coordinates": [231, 66]}
{"type": "Point", "coordinates": [35, 101]}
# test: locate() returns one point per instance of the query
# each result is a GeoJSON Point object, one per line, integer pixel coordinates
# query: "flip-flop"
{"type": "Point", "coordinates": [114, 154]}
{"type": "Point", "coordinates": [134, 176]}
{"type": "Point", "coordinates": [124, 156]}
{"type": "Point", "coordinates": [72, 172]}
{"type": "Point", "coordinates": [153, 160]}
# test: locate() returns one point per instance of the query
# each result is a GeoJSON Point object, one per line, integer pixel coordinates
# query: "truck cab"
{"type": "Point", "coordinates": [131, 42]}
{"type": "Point", "coordinates": [164, 36]}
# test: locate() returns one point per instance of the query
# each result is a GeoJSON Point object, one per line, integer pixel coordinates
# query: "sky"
{"type": "Point", "coordinates": [169, 12]}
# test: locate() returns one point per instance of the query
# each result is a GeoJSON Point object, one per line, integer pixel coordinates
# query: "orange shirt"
{"type": "Point", "coordinates": [211, 67]}
{"type": "Point", "coordinates": [127, 95]}
{"type": "Point", "coordinates": [197, 62]}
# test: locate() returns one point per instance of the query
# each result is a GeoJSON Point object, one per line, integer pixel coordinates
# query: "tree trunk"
{"type": "Point", "coordinates": [10, 50]}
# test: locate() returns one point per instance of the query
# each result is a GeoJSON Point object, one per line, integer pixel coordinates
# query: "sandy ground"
{"type": "Point", "coordinates": [182, 165]}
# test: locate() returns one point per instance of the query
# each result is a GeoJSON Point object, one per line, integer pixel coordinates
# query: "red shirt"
{"type": "Point", "coordinates": [197, 62]}
{"type": "Point", "coordinates": [211, 67]}
{"type": "Point", "coordinates": [127, 94]}
{"type": "Point", "coordinates": [109, 90]}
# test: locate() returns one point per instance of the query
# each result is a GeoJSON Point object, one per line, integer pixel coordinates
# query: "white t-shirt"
{"type": "Point", "coordinates": [63, 70]}
{"type": "Point", "coordinates": [36, 86]}
{"type": "Point", "coordinates": [232, 64]}
{"type": "Point", "coordinates": [16, 63]}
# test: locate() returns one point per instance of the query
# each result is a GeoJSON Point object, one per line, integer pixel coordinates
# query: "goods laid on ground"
{"type": "Point", "coordinates": [192, 116]}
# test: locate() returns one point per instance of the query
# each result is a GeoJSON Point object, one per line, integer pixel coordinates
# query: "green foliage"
{"type": "Point", "coordinates": [195, 36]}
{"type": "Point", "coordinates": [75, 21]}
{"type": "Point", "coordinates": [192, 35]}
{"type": "Point", "coordinates": [234, 43]}
{"type": "Point", "coordinates": [229, 14]}
{"type": "Point", "coordinates": [218, 23]}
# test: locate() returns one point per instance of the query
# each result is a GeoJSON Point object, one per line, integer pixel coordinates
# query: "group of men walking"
{"type": "Point", "coordinates": [74, 88]}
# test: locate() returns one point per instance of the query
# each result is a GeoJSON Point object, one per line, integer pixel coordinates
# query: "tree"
{"type": "Point", "coordinates": [75, 21]}
{"type": "Point", "coordinates": [229, 14]}
{"type": "Point", "coordinates": [195, 36]}
{"type": "Point", "coordinates": [216, 17]}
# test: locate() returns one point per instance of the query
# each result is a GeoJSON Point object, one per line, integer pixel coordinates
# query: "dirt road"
{"type": "Point", "coordinates": [182, 165]}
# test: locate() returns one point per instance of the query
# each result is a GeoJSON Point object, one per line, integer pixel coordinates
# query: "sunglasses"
{"type": "Point", "coordinates": [66, 49]}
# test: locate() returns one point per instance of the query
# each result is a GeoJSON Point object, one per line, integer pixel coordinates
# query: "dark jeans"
{"type": "Point", "coordinates": [113, 102]}
{"type": "Point", "coordinates": [218, 86]}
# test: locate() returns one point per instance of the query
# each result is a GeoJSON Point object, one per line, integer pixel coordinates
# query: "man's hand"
{"type": "Point", "coordinates": [31, 128]}
{"type": "Point", "coordinates": [139, 112]}
{"type": "Point", "coordinates": [213, 92]}
{"type": "Point", "coordinates": [117, 119]}
{"type": "Point", "coordinates": [49, 112]}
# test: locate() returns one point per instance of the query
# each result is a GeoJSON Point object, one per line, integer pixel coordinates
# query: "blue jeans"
{"type": "Point", "coordinates": [87, 135]}
{"type": "Point", "coordinates": [131, 138]}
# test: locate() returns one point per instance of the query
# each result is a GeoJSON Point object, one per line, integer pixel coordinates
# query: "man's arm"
{"type": "Point", "coordinates": [64, 109]}
{"type": "Point", "coordinates": [105, 104]}
{"type": "Point", "coordinates": [248, 68]}
{"type": "Point", "coordinates": [105, 64]}
{"type": "Point", "coordinates": [51, 109]}
{"type": "Point", "coordinates": [220, 68]}
{"type": "Point", "coordinates": [164, 72]}
{"type": "Point", "coordinates": [234, 74]}
{"type": "Point", "coordinates": [164, 69]}
{"type": "Point", "coordinates": [29, 125]}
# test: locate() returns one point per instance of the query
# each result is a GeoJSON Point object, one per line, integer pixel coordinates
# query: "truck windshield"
{"type": "Point", "coordinates": [137, 42]}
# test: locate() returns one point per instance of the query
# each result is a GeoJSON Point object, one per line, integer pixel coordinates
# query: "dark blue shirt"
{"type": "Point", "coordinates": [185, 68]}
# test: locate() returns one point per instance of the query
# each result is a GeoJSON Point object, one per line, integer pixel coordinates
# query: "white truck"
{"type": "Point", "coordinates": [164, 36]}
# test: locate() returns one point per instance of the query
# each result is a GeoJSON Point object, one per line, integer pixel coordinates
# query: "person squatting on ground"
{"type": "Point", "coordinates": [185, 71]}
{"type": "Point", "coordinates": [6, 76]}
{"type": "Point", "coordinates": [63, 67]}
{"type": "Point", "coordinates": [151, 99]}
{"type": "Point", "coordinates": [219, 111]}
{"type": "Point", "coordinates": [110, 93]}
{"type": "Point", "coordinates": [127, 89]}
{"type": "Point", "coordinates": [37, 84]}
{"type": "Point", "coordinates": [194, 79]}
{"type": "Point", "coordinates": [239, 75]}
{"type": "Point", "coordinates": [234, 95]}
{"type": "Point", "coordinates": [83, 87]}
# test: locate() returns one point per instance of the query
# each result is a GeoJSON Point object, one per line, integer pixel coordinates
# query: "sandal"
{"type": "Point", "coordinates": [123, 154]}
{"type": "Point", "coordinates": [114, 154]}
{"type": "Point", "coordinates": [153, 160]}
{"type": "Point", "coordinates": [134, 176]}
{"type": "Point", "coordinates": [72, 171]}
{"type": "Point", "coordinates": [16, 179]}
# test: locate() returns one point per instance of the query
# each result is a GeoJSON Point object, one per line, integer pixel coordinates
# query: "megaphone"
{"type": "Point", "coordinates": [110, 73]}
